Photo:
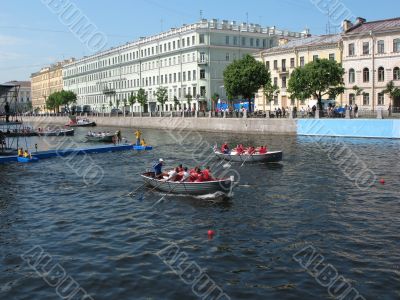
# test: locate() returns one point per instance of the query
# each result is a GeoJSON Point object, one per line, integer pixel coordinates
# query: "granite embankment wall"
{"type": "Point", "coordinates": [243, 125]}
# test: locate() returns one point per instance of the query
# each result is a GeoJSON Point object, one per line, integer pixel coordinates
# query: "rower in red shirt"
{"type": "Point", "coordinates": [206, 176]}
{"type": "Point", "coordinates": [225, 148]}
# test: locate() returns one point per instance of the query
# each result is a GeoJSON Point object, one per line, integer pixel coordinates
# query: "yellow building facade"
{"type": "Point", "coordinates": [45, 82]}
{"type": "Point", "coordinates": [283, 59]}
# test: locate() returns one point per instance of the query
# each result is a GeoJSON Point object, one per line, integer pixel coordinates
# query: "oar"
{"type": "Point", "coordinates": [166, 194]}
{"type": "Point", "coordinates": [246, 160]}
{"type": "Point", "coordinates": [131, 193]}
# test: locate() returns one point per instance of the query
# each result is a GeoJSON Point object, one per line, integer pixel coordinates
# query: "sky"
{"type": "Point", "coordinates": [33, 35]}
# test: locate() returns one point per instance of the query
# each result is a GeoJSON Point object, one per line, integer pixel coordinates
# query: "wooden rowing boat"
{"type": "Point", "coordinates": [269, 157]}
{"type": "Point", "coordinates": [189, 188]}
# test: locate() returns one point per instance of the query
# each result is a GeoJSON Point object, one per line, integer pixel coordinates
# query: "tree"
{"type": "Point", "coordinates": [117, 103]}
{"type": "Point", "coordinates": [132, 100]}
{"type": "Point", "coordinates": [110, 104]}
{"type": "Point", "coordinates": [214, 99]}
{"type": "Point", "coordinates": [141, 98]}
{"type": "Point", "coordinates": [245, 77]}
{"type": "Point", "coordinates": [161, 95]}
{"type": "Point", "coordinates": [176, 102]}
{"type": "Point", "coordinates": [392, 91]}
{"type": "Point", "coordinates": [318, 78]}
{"type": "Point", "coordinates": [188, 99]}
{"type": "Point", "coordinates": [54, 101]}
{"type": "Point", "coordinates": [270, 91]}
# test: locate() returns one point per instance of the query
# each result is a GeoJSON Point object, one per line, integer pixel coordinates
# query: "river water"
{"type": "Point", "coordinates": [77, 214]}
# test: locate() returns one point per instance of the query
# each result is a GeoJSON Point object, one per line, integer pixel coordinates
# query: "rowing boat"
{"type": "Point", "coordinates": [27, 159]}
{"type": "Point", "coordinates": [189, 188]}
{"type": "Point", "coordinates": [108, 138]}
{"type": "Point", "coordinates": [269, 157]}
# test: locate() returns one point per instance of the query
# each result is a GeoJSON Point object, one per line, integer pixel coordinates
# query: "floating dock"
{"type": "Point", "coordinates": [78, 151]}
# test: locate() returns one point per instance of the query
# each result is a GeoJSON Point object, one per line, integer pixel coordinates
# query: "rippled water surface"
{"type": "Point", "coordinates": [108, 242]}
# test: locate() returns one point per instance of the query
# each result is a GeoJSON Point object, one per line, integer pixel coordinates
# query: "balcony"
{"type": "Point", "coordinates": [283, 71]}
{"type": "Point", "coordinates": [202, 62]}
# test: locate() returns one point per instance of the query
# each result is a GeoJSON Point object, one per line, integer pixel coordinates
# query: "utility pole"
{"type": "Point", "coordinates": [201, 14]}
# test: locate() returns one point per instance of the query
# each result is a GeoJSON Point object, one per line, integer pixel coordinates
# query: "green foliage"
{"type": "Point", "coordinates": [176, 102]}
{"type": "Point", "coordinates": [56, 99]}
{"type": "Point", "coordinates": [214, 99]}
{"type": "Point", "coordinates": [117, 103]}
{"type": "Point", "coordinates": [358, 90]}
{"type": "Point", "coordinates": [270, 91]}
{"type": "Point", "coordinates": [391, 90]}
{"type": "Point", "coordinates": [141, 97]}
{"type": "Point", "coordinates": [318, 78]}
{"type": "Point", "coordinates": [132, 99]}
{"type": "Point", "coordinates": [244, 77]}
{"type": "Point", "coordinates": [110, 104]}
{"type": "Point", "coordinates": [161, 95]}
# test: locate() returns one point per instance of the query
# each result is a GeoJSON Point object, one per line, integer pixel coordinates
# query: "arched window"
{"type": "Point", "coordinates": [396, 73]}
{"type": "Point", "coordinates": [352, 77]}
{"type": "Point", "coordinates": [365, 75]}
{"type": "Point", "coordinates": [381, 74]}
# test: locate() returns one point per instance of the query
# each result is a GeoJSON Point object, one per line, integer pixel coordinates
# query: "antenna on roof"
{"type": "Point", "coordinates": [162, 23]}
{"type": "Point", "coordinates": [201, 14]}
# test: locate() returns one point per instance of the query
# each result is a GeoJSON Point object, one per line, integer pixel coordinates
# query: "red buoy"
{"type": "Point", "coordinates": [211, 234]}
{"type": "Point", "coordinates": [382, 181]}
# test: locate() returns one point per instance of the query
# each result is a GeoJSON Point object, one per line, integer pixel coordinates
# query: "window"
{"type": "Point", "coordinates": [202, 57]}
{"type": "Point", "coordinates": [184, 76]}
{"type": "Point", "coordinates": [267, 65]}
{"type": "Point", "coordinates": [189, 76]}
{"type": "Point", "coordinates": [283, 64]}
{"type": "Point", "coordinates": [235, 40]}
{"type": "Point", "coordinates": [227, 57]}
{"type": "Point", "coordinates": [188, 41]}
{"type": "Point", "coordinates": [283, 82]}
{"type": "Point", "coordinates": [251, 42]}
{"type": "Point", "coordinates": [243, 41]}
{"type": "Point", "coordinates": [365, 48]}
{"type": "Point", "coordinates": [396, 45]}
{"type": "Point", "coordinates": [302, 61]}
{"type": "Point", "coordinates": [381, 47]}
{"type": "Point", "coordinates": [275, 81]}
{"type": "Point", "coordinates": [202, 91]}
{"type": "Point", "coordinates": [201, 39]}
{"type": "Point", "coordinates": [275, 64]}
{"type": "Point", "coordinates": [315, 57]}
{"type": "Point", "coordinates": [381, 74]}
{"type": "Point", "coordinates": [352, 99]}
{"type": "Point", "coordinates": [264, 43]}
{"type": "Point", "coordinates": [193, 40]}
{"type": "Point", "coordinates": [227, 40]}
{"type": "Point", "coordinates": [351, 49]}
{"type": "Point", "coordinates": [174, 77]}
{"type": "Point", "coordinates": [365, 99]}
{"type": "Point", "coordinates": [381, 99]}
{"type": "Point", "coordinates": [352, 76]}
{"type": "Point", "coordinates": [292, 62]}
{"type": "Point", "coordinates": [183, 42]}
{"type": "Point", "coordinates": [194, 75]}
{"type": "Point", "coordinates": [257, 43]}
{"type": "Point", "coordinates": [396, 73]}
{"type": "Point", "coordinates": [331, 56]}
{"type": "Point", "coordinates": [365, 75]}
{"type": "Point", "coordinates": [202, 74]}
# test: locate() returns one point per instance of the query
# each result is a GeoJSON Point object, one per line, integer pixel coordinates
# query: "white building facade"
{"type": "Point", "coordinates": [371, 59]}
{"type": "Point", "coordinates": [189, 60]}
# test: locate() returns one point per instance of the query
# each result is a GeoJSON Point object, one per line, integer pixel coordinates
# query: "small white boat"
{"type": "Point", "coordinates": [269, 157]}
{"type": "Point", "coordinates": [189, 188]}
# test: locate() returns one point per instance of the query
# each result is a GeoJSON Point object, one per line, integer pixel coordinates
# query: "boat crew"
{"type": "Point", "coordinates": [206, 176]}
{"type": "Point", "coordinates": [26, 153]}
{"type": "Point", "coordinates": [20, 152]}
{"type": "Point", "coordinates": [143, 143]}
{"type": "Point", "coordinates": [225, 148]}
{"type": "Point", "coordinates": [185, 175]}
{"type": "Point", "coordinates": [138, 134]}
{"type": "Point", "coordinates": [158, 168]}
{"type": "Point", "coordinates": [119, 136]}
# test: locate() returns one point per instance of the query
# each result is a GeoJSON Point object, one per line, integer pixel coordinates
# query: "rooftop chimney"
{"type": "Point", "coordinates": [346, 25]}
{"type": "Point", "coordinates": [360, 21]}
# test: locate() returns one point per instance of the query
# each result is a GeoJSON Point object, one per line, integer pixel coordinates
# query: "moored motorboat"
{"type": "Point", "coordinates": [57, 132]}
{"type": "Point", "coordinates": [80, 123]}
{"type": "Point", "coordinates": [269, 157]}
{"type": "Point", "coordinates": [190, 188]}
{"type": "Point", "coordinates": [27, 159]}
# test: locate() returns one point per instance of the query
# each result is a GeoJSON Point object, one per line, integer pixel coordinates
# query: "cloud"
{"type": "Point", "coordinates": [6, 40]}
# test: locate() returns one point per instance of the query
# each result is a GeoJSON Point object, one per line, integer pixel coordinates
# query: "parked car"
{"type": "Point", "coordinates": [116, 111]}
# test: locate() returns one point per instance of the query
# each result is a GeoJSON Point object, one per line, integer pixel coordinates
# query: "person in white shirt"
{"type": "Point", "coordinates": [185, 175]}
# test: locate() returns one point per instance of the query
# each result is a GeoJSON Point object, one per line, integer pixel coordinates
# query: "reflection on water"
{"type": "Point", "coordinates": [107, 241]}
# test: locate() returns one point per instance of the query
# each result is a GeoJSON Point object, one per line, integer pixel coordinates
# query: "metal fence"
{"type": "Point", "coordinates": [361, 114]}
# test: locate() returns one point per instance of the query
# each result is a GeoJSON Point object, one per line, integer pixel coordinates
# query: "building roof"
{"type": "Point", "coordinates": [317, 40]}
{"type": "Point", "coordinates": [26, 84]}
{"type": "Point", "coordinates": [380, 25]}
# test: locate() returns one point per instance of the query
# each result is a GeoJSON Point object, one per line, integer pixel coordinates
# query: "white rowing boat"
{"type": "Point", "coordinates": [189, 188]}
{"type": "Point", "coordinates": [269, 157]}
